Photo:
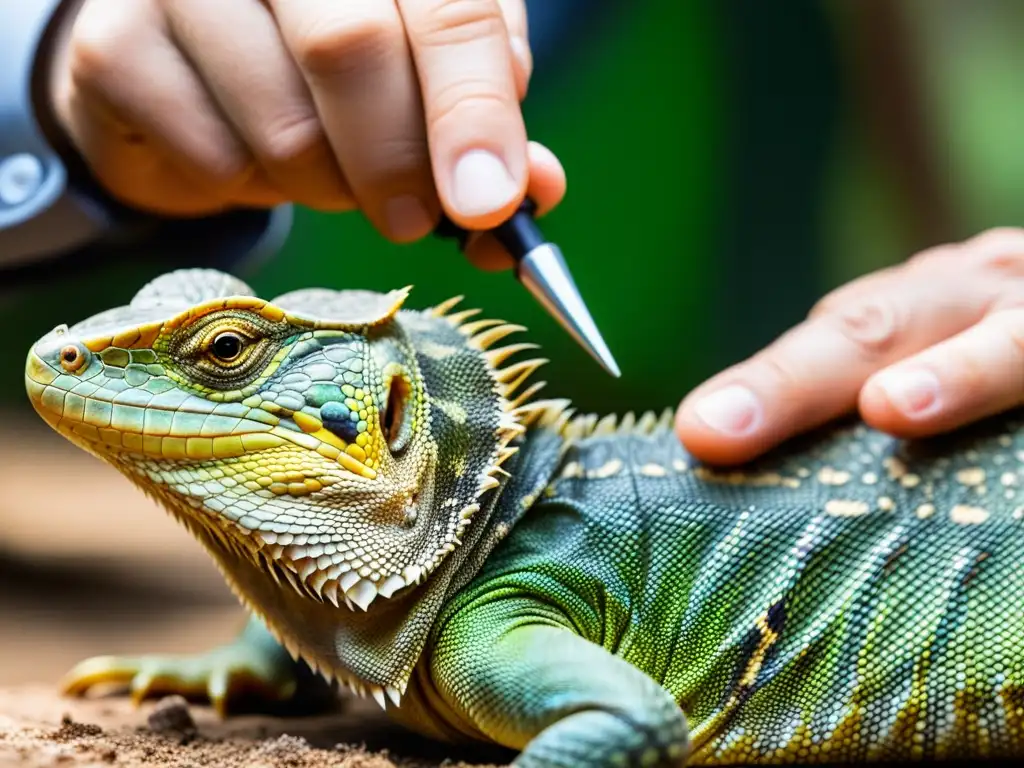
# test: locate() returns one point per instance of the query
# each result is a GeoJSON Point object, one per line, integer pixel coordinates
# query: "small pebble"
{"type": "Point", "coordinates": [171, 715]}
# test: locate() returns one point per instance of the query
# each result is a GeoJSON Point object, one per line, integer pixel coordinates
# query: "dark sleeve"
{"type": "Point", "coordinates": [52, 210]}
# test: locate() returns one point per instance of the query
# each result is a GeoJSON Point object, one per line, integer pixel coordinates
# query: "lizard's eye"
{"type": "Point", "coordinates": [224, 351]}
{"type": "Point", "coordinates": [227, 346]}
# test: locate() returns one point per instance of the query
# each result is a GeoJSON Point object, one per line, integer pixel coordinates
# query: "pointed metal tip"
{"type": "Point", "coordinates": [609, 364]}
{"type": "Point", "coordinates": [545, 274]}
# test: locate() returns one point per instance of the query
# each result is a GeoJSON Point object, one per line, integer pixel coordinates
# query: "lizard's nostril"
{"type": "Point", "coordinates": [72, 358]}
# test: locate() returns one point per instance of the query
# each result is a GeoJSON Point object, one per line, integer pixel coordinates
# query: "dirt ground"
{"type": "Point", "coordinates": [89, 566]}
{"type": "Point", "coordinates": [39, 729]}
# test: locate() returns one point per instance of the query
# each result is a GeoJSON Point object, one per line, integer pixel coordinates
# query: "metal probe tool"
{"type": "Point", "coordinates": [542, 269]}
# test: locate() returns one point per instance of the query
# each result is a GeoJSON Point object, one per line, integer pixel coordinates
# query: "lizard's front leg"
{"type": "Point", "coordinates": [529, 682]}
{"type": "Point", "coordinates": [253, 666]}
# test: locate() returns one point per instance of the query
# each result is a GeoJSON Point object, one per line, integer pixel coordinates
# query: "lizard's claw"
{"type": "Point", "coordinates": [219, 676]}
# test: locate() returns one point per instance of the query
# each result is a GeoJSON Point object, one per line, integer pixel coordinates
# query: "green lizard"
{"type": "Point", "coordinates": [397, 508]}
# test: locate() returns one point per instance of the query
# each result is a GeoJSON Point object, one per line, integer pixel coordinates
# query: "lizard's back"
{"type": "Point", "coordinates": [851, 598]}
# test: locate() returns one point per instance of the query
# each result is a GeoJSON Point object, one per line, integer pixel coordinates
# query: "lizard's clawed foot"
{"type": "Point", "coordinates": [221, 676]}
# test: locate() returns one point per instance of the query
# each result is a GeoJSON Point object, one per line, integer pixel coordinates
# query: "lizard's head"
{"type": "Point", "coordinates": [329, 437]}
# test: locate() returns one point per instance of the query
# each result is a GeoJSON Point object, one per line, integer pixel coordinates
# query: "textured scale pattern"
{"type": "Point", "coordinates": [392, 503]}
{"type": "Point", "coordinates": [852, 600]}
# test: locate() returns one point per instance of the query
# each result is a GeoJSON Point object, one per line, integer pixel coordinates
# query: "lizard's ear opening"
{"type": "Point", "coordinates": [396, 418]}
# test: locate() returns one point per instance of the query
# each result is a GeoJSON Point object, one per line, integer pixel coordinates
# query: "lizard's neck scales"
{"type": "Point", "coordinates": [381, 647]}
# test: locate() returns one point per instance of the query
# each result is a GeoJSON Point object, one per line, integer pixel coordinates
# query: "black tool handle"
{"type": "Point", "coordinates": [519, 235]}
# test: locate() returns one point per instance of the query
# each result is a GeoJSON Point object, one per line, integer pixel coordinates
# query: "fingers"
{"type": "Point", "coordinates": [131, 101]}
{"type": "Point", "coordinates": [474, 124]}
{"type": "Point", "coordinates": [355, 60]}
{"type": "Point", "coordinates": [975, 374]}
{"type": "Point", "coordinates": [814, 373]}
{"type": "Point", "coordinates": [547, 188]}
{"type": "Point", "coordinates": [240, 56]}
{"type": "Point", "coordinates": [397, 107]}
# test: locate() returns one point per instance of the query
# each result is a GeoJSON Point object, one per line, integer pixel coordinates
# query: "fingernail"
{"type": "Point", "coordinates": [482, 184]}
{"type": "Point", "coordinates": [407, 218]}
{"type": "Point", "coordinates": [914, 391]}
{"type": "Point", "coordinates": [733, 410]}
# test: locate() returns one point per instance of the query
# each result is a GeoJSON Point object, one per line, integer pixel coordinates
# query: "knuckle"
{"type": "Point", "coordinates": [229, 167]}
{"type": "Point", "coordinates": [973, 372]}
{"type": "Point", "coordinates": [933, 256]}
{"type": "Point", "coordinates": [999, 237]}
{"type": "Point", "coordinates": [338, 46]}
{"type": "Point", "coordinates": [1012, 324]}
{"type": "Point", "coordinates": [216, 160]}
{"type": "Point", "coordinates": [290, 139]}
{"type": "Point", "coordinates": [402, 158]}
{"type": "Point", "coordinates": [778, 368]}
{"type": "Point", "coordinates": [94, 55]}
{"type": "Point", "coordinates": [826, 305]}
{"type": "Point", "coordinates": [998, 253]}
{"type": "Point", "coordinates": [1004, 266]}
{"type": "Point", "coordinates": [452, 22]}
{"type": "Point", "coordinates": [835, 300]}
{"type": "Point", "coordinates": [463, 101]}
{"type": "Point", "coordinates": [871, 324]}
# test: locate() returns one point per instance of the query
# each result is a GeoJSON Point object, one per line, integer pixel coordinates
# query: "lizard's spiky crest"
{"type": "Point", "coordinates": [526, 412]}
{"type": "Point", "coordinates": [519, 410]}
{"type": "Point", "coordinates": [522, 411]}
{"type": "Point", "coordinates": [591, 425]}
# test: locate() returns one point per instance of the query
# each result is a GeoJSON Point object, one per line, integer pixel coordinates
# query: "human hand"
{"type": "Point", "coordinates": [920, 348]}
{"type": "Point", "coordinates": [394, 107]}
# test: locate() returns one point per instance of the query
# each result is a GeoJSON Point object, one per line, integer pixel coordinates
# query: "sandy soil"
{"type": "Point", "coordinates": [89, 566]}
{"type": "Point", "coordinates": [40, 729]}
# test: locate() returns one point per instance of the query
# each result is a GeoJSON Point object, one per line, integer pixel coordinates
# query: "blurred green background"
{"type": "Point", "coordinates": [728, 163]}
